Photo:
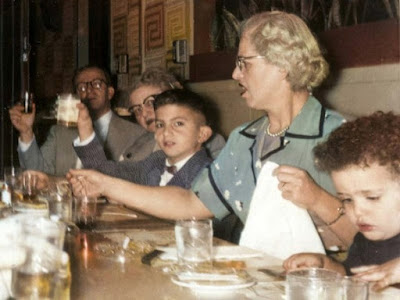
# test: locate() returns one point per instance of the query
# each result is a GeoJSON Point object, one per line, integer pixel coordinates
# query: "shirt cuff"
{"type": "Point", "coordinates": [79, 143]}
{"type": "Point", "coordinates": [24, 146]}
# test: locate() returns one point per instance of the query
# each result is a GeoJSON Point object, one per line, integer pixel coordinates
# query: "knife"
{"type": "Point", "coordinates": [147, 258]}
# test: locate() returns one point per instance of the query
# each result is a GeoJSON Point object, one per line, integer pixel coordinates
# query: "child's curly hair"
{"type": "Point", "coordinates": [366, 140]}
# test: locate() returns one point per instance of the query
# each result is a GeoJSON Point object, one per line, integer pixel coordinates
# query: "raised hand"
{"type": "Point", "coordinates": [85, 125]}
{"type": "Point", "coordinates": [23, 122]}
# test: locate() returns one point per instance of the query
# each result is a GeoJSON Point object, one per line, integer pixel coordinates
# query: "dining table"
{"type": "Point", "coordinates": [120, 256]}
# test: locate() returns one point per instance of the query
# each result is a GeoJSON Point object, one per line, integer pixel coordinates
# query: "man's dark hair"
{"type": "Point", "coordinates": [105, 72]}
{"type": "Point", "coordinates": [182, 97]}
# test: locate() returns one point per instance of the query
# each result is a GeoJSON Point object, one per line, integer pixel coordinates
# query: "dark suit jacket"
{"type": "Point", "coordinates": [147, 171]}
{"type": "Point", "coordinates": [56, 156]}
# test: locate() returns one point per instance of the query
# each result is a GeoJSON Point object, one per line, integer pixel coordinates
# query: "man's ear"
{"type": "Point", "coordinates": [204, 134]}
{"type": "Point", "coordinates": [111, 92]}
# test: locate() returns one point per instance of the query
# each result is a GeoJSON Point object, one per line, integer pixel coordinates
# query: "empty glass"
{"type": "Point", "coordinates": [354, 289]}
{"type": "Point", "coordinates": [194, 242]}
{"type": "Point", "coordinates": [313, 283]}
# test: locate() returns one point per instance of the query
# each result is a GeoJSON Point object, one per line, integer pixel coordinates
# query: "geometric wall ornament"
{"type": "Point", "coordinates": [120, 7]}
{"type": "Point", "coordinates": [120, 36]}
{"type": "Point", "coordinates": [134, 51]}
{"type": "Point", "coordinates": [154, 26]}
{"type": "Point", "coordinates": [177, 26]}
{"type": "Point", "coordinates": [133, 3]}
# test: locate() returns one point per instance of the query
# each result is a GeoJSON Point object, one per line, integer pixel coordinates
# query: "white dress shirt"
{"type": "Point", "coordinates": [167, 176]}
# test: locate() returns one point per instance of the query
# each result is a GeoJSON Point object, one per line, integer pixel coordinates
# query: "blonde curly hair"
{"type": "Point", "coordinates": [288, 43]}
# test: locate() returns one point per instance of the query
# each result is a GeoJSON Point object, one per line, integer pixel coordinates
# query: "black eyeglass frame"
{"type": "Point", "coordinates": [95, 84]}
{"type": "Point", "coordinates": [148, 102]}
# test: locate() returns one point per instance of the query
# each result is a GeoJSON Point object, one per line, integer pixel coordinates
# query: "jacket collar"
{"type": "Point", "coordinates": [304, 126]}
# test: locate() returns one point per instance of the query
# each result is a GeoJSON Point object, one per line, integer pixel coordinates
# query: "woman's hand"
{"type": "Point", "coordinates": [86, 182]}
{"type": "Point", "coordinates": [297, 186]}
{"type": "Point", "coordinates": [382, 275]}
{"type": "Point", "coordinates": [304, 260]}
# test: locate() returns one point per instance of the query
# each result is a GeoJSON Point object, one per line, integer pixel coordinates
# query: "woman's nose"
{"type": "Point", "coordinates": [236, 74]}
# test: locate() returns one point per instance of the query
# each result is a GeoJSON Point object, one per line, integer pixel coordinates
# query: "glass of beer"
{"type": "Point", "coordinates": [85, 211]}
{"type": "Point", "coordinates": [27, 198]}
{"type": "Point", "coordinates": [38, 276]}
{"type": "Point", "coordinates": [67, 112]}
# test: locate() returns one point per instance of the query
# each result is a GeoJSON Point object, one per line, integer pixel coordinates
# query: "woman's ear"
{"type": "Point", "coordinates": [204, 134]}
{"type": "Point", "coordinates": [283, 73]}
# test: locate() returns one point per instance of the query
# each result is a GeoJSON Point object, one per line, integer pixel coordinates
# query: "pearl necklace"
{"type": "Point", "coordinates": [278, 133]}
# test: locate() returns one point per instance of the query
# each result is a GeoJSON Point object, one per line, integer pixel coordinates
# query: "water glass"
{"type": "Point", "coordinates": [60, 201]}
{"type": "Point", "coordinates": [45, 228]}
{"type": "Point", "coordinates": [11, 175]}
{"type": "Point", "coordinates": [194, 242]}
{"type": "Point", "coordinates": [313, 283]}
{"type": "Point", "coordinates": [67, 112]}
{"type": "Point", "coordinates": [354, 289]}
{"type": "Point", "coordinates": [85, 211]}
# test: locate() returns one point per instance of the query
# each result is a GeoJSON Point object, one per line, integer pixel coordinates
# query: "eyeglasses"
{"type": "Point", "coordinates": [240, 60]}
{"type": "Point", "coordinates": [148, 103]}
{"type": "Point", "coordinates": [96, 84]}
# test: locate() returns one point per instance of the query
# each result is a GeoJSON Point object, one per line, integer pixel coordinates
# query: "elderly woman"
{"type": "Point", "coordinates": [278, 64]}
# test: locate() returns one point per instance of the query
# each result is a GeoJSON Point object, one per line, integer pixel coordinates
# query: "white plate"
{"type": "Point", "coordinates": [213, 282]}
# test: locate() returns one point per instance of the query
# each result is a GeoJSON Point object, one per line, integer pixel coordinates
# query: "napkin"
{"type": "Point", "coordinates": [220, 253]}
{"type": "Point", "coordinates": [277, 226]}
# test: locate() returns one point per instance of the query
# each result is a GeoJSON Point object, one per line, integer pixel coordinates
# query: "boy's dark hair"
{"type": "Point", "coordinates": [105, 72]}
{"type": "Point", "coordinates": [182, 97]}
{"type": "Point", "coordinates": [362, 142]}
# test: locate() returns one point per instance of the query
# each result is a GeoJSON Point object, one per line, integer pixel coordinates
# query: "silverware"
{"type": "Point", "coordinates": [147, 258]}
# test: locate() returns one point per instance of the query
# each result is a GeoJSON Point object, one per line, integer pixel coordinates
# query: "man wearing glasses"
{"type": "Point", "coordinates": [56, 156]}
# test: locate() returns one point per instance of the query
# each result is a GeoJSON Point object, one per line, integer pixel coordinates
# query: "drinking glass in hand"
{"type": "Point", "coordinates": [85, 211]}
{"type": "Point", "coordinates": [67, 112]}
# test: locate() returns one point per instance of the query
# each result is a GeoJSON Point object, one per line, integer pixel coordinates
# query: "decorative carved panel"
{"type": "Point", "coordinates": [154, 26]}
{"type": "Point", "coordinates": [120, 7]}
{"type": "Point", "coordinates": [134, 40]}
{"type": "Point", "coordinates": [176, 20]}
{"type": "Point", "coordinates": [120, 36]}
